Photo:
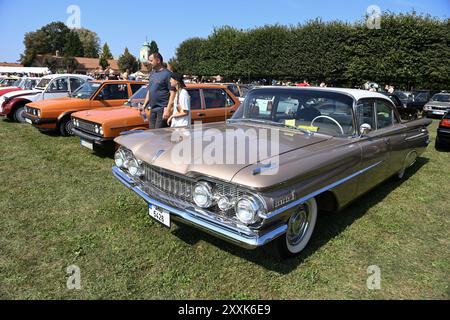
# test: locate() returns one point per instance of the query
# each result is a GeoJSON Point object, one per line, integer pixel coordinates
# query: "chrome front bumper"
{"type": "Point", "coordinates": [244, 238]}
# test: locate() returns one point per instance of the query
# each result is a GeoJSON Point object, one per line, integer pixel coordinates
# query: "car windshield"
{"type": "Point", "coordinates": [441, 97]}
{"type": "Point", "coordinates": [18, 82]}
{"type": "Point", "coordinates": [137, 99]}
{"type": "Point", "coordinates": [43, 83]}
{"type": "Point", "coordinates": [319, 111]}
{"type": "Point", "coordinates": [86, 90]}
{"type": "Point", "coordinates": [29, 84]}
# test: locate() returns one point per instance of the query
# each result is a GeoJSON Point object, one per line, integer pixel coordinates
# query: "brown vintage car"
{"type": "Point", "coordinates": [286, 154]}
{"type": "Point", "coordinates": [98, 128]}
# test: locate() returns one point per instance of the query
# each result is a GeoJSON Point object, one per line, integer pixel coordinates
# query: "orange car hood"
{"type": "Point", "coordinates": [108, 115]}
{"type": "Point", "coordinates": [60, 103]}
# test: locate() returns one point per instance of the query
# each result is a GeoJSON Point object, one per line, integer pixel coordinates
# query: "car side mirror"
{"type": "Point", "coordinates": [365, 128]}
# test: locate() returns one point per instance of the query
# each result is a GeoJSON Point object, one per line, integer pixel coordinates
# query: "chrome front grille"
{"type": "Point", "coordinates": [86, 126]}
{"type": "Point", "coordinates": [179, 188]}
{"type": "Point", "coordinates": [174, 186]}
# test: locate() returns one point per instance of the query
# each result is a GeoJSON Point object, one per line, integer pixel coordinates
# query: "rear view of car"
{"type": "Point", "coordinates": [443, 132]}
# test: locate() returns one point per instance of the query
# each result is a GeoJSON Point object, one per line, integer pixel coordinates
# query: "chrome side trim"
{"type": "Point", "coordinates": [417, 136]}
{"type": "Point", "coordinates": [278, 211]}
{"type": "Point", "coordinates": [251, 240]}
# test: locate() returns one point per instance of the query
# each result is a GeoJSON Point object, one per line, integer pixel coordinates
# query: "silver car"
{"type": "Point", "coordinates": [438, 105]}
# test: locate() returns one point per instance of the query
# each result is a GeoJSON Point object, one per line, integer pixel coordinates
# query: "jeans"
{"type": "Point", "coordinates": [156, 120]}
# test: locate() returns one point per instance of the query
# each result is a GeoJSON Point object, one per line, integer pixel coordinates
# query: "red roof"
{"type": "Point", "coordinates": [10, 64]}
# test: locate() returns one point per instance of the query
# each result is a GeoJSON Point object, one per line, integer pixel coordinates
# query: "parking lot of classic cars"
{"type": "Point", "coordinates": [333, 145]}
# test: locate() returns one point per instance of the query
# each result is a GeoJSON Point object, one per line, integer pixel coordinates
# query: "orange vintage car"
{"type": "Point", "coordinates": [54, 114]}
{"type": "Point", "coordinates": [98, 128]}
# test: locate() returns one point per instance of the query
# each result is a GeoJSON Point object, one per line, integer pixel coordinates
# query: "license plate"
{"type": "Point", "coordinates": [160, 215]}
{"type": "Point", "coordinates": [28, 121]}
{"type": "Point", "coordinates": [439, 112]}
{"type": "Point", "coordinates": [87, 144]}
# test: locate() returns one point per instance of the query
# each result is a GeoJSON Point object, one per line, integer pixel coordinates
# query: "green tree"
{"type": "Point", "coordinates": [70, 64]}
{"type": "Point", "coordinates": [105, 56]}
{"type": "Point", "coordinates": [153, 47]}
{"type": "Point", "coordinates": [90, 41]}
{"type": "Point", "coordinates": [106, 53]}
{"type": "Point", "coordinates": [73, 46]}
{"type": "Point", "coordinates": [51, 63]}
{"type": "Point", "coordinates": [128, 62]}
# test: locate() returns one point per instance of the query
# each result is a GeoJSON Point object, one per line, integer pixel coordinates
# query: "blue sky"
{"type": "Point", "coordinates": [127, 23]}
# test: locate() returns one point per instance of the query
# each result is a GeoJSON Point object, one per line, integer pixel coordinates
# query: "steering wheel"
{"type": "Point", "coordinates": [329, 118]}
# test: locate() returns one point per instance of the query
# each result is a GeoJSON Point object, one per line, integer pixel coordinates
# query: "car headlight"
{"type": "Point", "coordinates": [224, 203]}
{"type": "Point", "coordinates": [202, 195]}
{"type": "Point", "coordinates": [39, 113]}
{"type": "Point", "coordinates": [97, 129]}
{"type": "Point", "coordinates": [248, 209]}
{"type": "Point", "coordinates": [101, 130]}
{"type": "Point", "coordinates": [134, 167]}
{"type": "Point", "coordinates": [120, 158]}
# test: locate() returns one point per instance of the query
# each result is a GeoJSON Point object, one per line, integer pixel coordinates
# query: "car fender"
{"type": "Point", "coordinates": [12, 104]}
{"type": "Point", "coordinates": [63, 115]}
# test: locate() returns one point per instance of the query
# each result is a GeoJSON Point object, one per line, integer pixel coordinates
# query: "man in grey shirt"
{"type": "Point", "coordinates": [158, 94]}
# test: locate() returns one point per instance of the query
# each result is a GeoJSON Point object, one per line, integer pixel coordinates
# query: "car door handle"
{"type": "Point", "coordinates": [231, 111]}
{"type": "Point", "coordinates": [201, 114]}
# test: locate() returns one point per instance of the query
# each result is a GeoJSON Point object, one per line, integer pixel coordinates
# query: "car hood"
{"type": "Point", "coordinates": [107, 115]}
{"type": "Point", "coordinates": [59, 103]}
{"type": "Point", "coordinates": [439, 104]}
{"type": "Point", "coordinates": [161, 148]}
{"type": "Point", "coordinates": [21, 93]}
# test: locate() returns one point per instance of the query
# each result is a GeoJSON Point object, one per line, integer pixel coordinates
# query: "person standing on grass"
{"type": "Point", "coordinates": [157, 98]}
{"type": "Point", "coordinates": [181, 116]}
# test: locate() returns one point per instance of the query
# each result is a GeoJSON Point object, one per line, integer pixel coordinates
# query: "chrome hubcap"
{"type": "Point", "coordinates": [298, 225]}
{"type": "Point", "coordinates": [69, 127]}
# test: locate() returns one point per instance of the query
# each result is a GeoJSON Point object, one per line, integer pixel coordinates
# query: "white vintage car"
{"type": "Point", "coordinates": [12, 105]}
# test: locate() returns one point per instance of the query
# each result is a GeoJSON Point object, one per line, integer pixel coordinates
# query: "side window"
{"type": "Point", "coordinates": [75, 83]}
{"type": "Point", "coordinates": [135, 87]}
{"type": "Point", "coordinates": [385, 114]}
{"type": "Point", "coordinates": [115, 92]}
{"type": "Point", "coordinates": [215, 98]}
{"type": "Point", "coordinates": [196, 102]}
{"type": "Point", "coordinates": [421, 97]}
{"type": "Point", "coordinates": [234, 90]}
{"type": "Point", "coordinates": [59, 85]}
{"type": "Point", "coordinates": [365, 113]}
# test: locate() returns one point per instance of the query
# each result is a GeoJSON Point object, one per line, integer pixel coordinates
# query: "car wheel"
{"type": "Point", "coordinates": [65, 127]}
{"type": "Point", "coordinates": [19, 114]}
{"type": "Point", "coordinates": [300, 229]}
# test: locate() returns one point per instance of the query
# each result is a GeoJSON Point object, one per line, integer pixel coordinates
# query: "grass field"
{"type": "Point", "coordinates": [61, 206]}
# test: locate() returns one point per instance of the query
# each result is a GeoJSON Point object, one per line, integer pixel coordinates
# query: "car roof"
{"type": "Point", "coordinates": [205, 85]}
{"type": "Point", "coordinates": [56, 75]}
{"type": "Point", "coordinates": [355, 93]}
{"type": "Point", "coordinates": [119, 81]}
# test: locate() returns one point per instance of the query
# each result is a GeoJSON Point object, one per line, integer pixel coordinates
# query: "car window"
{"type": "Point", "coordinates": [75, 83]}
{"type": "Point", "coordinates": [385, 115]}
{"type": "Point", "coordinates": [215, 98]}
{"type": "Point", "coordinates": [59, 85]}
{"type": "Point", "coordinates": [441, 97]}
{"type": "Point", "coordinates": [365, 113]}
{"type": "Point", "coordinates": [137, 99]}
{"type": "Point", "coordinates": [135, 87]}
{"type": "Point", "coordinates": [324, 112]}
{"type": "Point", "coordinates": [196, 102]}
{"type": "Point", "coordinates": [234, 90]}
{"type": "Point", "coordinates": [421, 97]}
{"type": "Point", "coordinates": [114, 91]}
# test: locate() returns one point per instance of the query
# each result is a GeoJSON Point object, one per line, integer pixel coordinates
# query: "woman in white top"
{"type": "Point", "coordinates": [181, 116]}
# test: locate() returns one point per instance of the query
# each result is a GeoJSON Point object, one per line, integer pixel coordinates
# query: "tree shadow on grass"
{"type": "Point", "coordinates": [329, 225]}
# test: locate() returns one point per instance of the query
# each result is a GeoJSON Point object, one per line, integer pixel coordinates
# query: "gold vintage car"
{"type": "Point", "coordinates": [327, 146]}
